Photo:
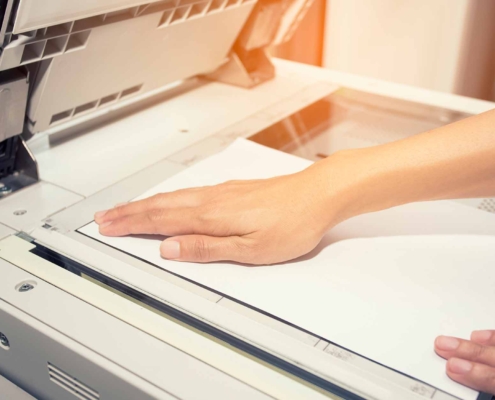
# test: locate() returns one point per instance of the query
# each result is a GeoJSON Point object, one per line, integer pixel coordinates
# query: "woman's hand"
{"type": "Point", "coordinates": [274, 220]}
{"type": "Point", "coordinates": [252, 222]}
{"type": "Point", "coordinates": [470, 362]}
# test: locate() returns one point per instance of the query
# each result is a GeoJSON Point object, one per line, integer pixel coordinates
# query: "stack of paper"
{"type": "Point", "coordinates": [404, 275]}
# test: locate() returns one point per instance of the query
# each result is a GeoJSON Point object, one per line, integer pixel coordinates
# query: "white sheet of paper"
{"type": "Point", "coordinates": [385, 293]}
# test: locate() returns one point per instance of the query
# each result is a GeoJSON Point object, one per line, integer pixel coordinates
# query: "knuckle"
{"type": "Point", "coordinates": [201, 250]}
{"type": "Point", "coordinates": [155, 200]}
{"type": "Point", "coordinates": [249, 251]}
{"type": "Point", "coordinates": [207, 213]}
{"type": "Point", "coordinates": [478, 352]}
{"type": "Point", "coordinates": [117, 212]}
{"type": "Point", "coordinates": [210, 208]}
{"type": "Point", "coordinates": [154, 217]}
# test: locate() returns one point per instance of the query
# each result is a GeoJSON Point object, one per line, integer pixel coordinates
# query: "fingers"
{"type": "Point", "coordinates": [484, 337]}
{"type": "Point", "coordinates": [477, 376]}
{"type": "Point", "coordinates": [180, 198]}
{"type": "Point", "coordinates": [204, 249]}
{"type": "Point", "coordinates": [166, 222]}
{"type": "Point", "coordinates": [450, 347]}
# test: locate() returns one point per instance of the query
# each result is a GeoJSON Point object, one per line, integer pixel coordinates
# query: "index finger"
{"type": "Point", "coordinates": [179, 198]}
{"type": "Point", "coordinates": [177, 221]}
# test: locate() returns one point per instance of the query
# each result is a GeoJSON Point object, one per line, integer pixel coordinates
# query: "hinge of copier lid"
{"type": "Point", "coordinates": [249, 62]}
{"type": "Point", "coordinates": [271, 23]}
{"type": "Point", "coordinates": [18, 167]}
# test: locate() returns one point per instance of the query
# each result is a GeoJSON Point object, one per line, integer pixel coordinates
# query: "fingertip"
{"type": "Point", "coordinates": [436, 344]}
{"type": "Point", "coordinates": [447, 343]}
{"type": "Point", "coordinates": [170, 249]}
{"type": "Point", "coordinates": [459, 366]}
{"type": "Point", "coordinates": [483, 336]}
{"type": "Point", "coordinates": [102, 216]}
{"type": "Point", "coordinates": [98, 217]}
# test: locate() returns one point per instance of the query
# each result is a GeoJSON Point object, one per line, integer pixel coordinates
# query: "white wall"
{"type": "Point", "coordinates": [417, 42]}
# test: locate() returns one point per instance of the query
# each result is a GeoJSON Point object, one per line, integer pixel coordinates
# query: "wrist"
{"type": "Point", "coordinates": [354, 182]}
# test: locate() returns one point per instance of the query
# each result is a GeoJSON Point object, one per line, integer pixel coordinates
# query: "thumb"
{"type": "Point", "coordinates": [204, 249]}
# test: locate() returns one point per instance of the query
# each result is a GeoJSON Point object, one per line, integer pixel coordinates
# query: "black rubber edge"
{"type": "Point", "coordinates": [78, 269]}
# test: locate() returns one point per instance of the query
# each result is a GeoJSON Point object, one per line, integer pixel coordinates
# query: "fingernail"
{"type": "Point", "coordinates": [170, 249]}
{"type": "Point", "coordinates": [481, 336]}
{"type": "Point", "coordinates": [120, 204]}
{"type": "Point", "coordinates": [458, 366]}
{"type": "Point", "coordinates": [100, 214]}
{"type": "Point", "coordinates": [447, 343]}
{"type": "Point", "coordinates": [104, 225]}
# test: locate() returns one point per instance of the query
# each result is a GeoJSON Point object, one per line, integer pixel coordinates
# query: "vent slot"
{"type": "Point", "coordinates": [120, 15]}
{"type": "Point", "coordinates": [164, 21]}
{"type": "Point", "coordinates": [71, 384]}
{"type": "Point", "coordinates": [58, 30]}
{"type": "Point", "coordinates": [180, 14]}
{"type": "Point", "coordinates": [32, 52]}
{"type": "Point", "coordinates": [231, 3]}
{"type": "Point", "coordinates": [198, 9]}
{"type": "Point", "coordinates": [60, 116]}
{"type": "Point", "coordinates": [78, 40]}
{"type": "Point", "coordinates": [108, 99]}
{"type": "Point", "coordinates": [85, 107]}
{"type": "Point", "coordinates": [156, 7]}
{"type": "Point", "coordinates": [131, 90]}
{"type": "Point", "coordinates": [216, 5]}
{"type": "Point", "coordinates": [55, 46]}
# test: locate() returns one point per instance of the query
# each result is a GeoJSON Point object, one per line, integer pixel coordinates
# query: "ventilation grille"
{"type": "Point", "coordinates": [48, 47]}
{"type": "Point", "coordinates": [43, 44]}
{"type": "Point", "coordinates": [53, 41]}
{"type": "Point", "coordinates": [487, 205]}
{"type": "Point", "coordinates": [71, 384]}
{"type": "Point", "coordinates": [84, 108]}
{"type": "Point", "coordinates": [183, 8]}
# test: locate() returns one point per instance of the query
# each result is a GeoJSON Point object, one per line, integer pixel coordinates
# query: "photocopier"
{"type": "Point", "coordinates": [101, 100]}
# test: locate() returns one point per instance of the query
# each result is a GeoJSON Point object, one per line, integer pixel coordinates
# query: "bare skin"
{"type": "Point", "coordinates": [274, 220]}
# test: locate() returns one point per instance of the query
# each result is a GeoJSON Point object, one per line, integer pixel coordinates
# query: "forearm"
{"type": "Point", "coordinates": [455, 161]}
